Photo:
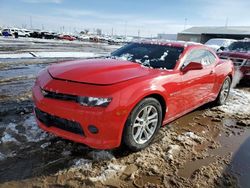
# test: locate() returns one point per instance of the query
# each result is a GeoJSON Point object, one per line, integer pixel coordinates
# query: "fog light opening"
{"type": "Point", "coordinates": [93, 129]}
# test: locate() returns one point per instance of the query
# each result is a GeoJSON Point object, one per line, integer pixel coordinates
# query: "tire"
{"type": "Point", "coordinates": [142, 124]}
{"type": "Point", "coordinates": [224, 92]}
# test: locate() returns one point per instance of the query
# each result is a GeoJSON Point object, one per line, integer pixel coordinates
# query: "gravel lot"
{"type": "Point", "coordinates": [208, 147]}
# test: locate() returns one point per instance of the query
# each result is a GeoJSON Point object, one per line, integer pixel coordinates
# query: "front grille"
{"type": "Point", "coordinates": [60, 96]}
{"type": "Point", "coordinates": [54, 121]}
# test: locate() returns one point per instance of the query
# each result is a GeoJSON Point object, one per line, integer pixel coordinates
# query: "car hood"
{"type": "Point", "coordinates": [235, 54]}
{"type": "Point", "coordinates": [98, 71]}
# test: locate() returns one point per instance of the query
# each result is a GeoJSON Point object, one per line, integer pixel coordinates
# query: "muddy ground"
{"type": "Point", "coordinates": [209, 147]}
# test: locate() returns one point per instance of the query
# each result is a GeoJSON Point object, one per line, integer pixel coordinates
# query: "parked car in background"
{"type": "Point", "coordinates": [43, 34]}
{"type": "Point", "coordinates": [23, 33]}
{"type": "Point", "coordinates": [219, 43]}
{"type": "Point", "coordinates": [13, 31]}
{"type": "Point", "coordinates": [239, 53]}
{"type": "Point", "coordinates": [66, 37]}
{"type": "Point", "coordinates": [8, 32]}
{"type": "Point", "coordinates": [127, 97]}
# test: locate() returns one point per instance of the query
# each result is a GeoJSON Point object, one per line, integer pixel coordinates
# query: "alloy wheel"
{"type": "Point", "coordinates": [145, 124]}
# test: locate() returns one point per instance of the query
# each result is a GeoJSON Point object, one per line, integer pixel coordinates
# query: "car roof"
{"type": "Point", "coordinates": [182, 44]}
{"type": "Point", "coordinates": [244, 40]}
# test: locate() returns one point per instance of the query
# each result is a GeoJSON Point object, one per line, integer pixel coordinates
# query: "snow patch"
{"type": "Point", "coordinates": [66, 153]}
{"type": "Point", "coordinates": [45, 145]}
{"type": "Point", "coordinates": [173, 150]}
{"type": "Point", "coordinates": [193, 136]}
{"type": "Point", "coordinates": [101, 155]}
{"type": "Point", "coordinates": [32, 132]}
{"type": "Point", "coordinates": [165, 54]}
{"type": "Point", "coordinates": [238, 103]}
{"type": "Point", "coordinates": [2, 156]}
{"type": "Point", "coordinates": [51, 55]}
{"type": "Point", "coordinates": [84, 164]}
{"type": "Point", "coordinates": [189, 138]}
{"type": "Point", "coordinates": [108, 172]}
{"type": "Point", "coordinates": [6, 138]}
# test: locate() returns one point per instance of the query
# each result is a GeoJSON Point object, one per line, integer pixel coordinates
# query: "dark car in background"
{"type": "Point", "coordinates": [43, 34]}
{"type": "Point", "coordinates": [239, 53]}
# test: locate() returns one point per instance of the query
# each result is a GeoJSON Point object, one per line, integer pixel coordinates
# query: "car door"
{"type": "Point", "coordinates": [197, 84]}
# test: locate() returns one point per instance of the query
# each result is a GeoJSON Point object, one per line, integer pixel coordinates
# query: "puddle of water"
{"type": "Point", "coordinates": [192, 166]}
{"type": "Point", "coordinates": [235, 142]}
{"type": "Point", "coordinates": [144, 179]}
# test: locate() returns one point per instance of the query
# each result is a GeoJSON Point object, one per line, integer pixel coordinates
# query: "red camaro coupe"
{"type": "Point", "coordinates": [127, 97]}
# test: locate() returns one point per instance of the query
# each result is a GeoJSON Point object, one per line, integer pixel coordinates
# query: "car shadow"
{"type": "Point", "coordinates": [237, 173]}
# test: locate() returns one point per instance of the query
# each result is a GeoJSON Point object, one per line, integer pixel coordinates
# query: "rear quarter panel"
{"type": "Point", "coordinates": [223, 68]}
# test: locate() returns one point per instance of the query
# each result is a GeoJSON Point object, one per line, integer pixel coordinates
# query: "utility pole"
{"type": "Point", "coordinates": [31, 26]}
{"type": "Point", "coordinates": [226, 23]}
{"type": "Point", "coordinates": [139, 33]}
{"type": "Point", "coordinates": [185, 23]}
{"type": "Point", "coordinates": [125, 28]}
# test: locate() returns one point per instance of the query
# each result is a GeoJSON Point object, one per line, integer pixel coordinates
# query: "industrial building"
{"type": "Point", "coordinates": [203, 34]}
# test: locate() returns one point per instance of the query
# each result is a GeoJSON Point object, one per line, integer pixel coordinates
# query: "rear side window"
{"type": "Point", "coordinates": [200, 56]}
{"type": "Point", "coordinates": [211, 57]}
{"type": "Point", "coordinates": [194, 56]}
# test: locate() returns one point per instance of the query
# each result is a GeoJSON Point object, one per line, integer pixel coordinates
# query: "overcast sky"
{"type": "Point", "coordinates": [124, 16]}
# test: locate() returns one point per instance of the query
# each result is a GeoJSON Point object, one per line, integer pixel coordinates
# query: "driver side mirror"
{"type": "Point", "coordinates": [192, 66]}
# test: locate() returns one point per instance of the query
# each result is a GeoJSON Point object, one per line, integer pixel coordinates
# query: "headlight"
{"type": "Point", "coordinates": [94, 101]}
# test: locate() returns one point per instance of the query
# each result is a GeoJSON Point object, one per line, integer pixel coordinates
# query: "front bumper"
{"type": "Point", "coordinates": [109, 120]}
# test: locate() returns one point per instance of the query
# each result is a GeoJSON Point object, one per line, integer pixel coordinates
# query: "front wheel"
{"type": "Point", "coordinates": [224, 92]}
{"type": "Point", "coordinates": [142, 124]}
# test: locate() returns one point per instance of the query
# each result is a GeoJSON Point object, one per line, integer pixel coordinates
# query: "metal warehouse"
{"type": "Point", "coordinates": [203, 34]}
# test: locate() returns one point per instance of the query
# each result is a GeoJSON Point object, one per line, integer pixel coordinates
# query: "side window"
{"type": "Point", "coordinates": [211, 57]}
{"type": "Point", "coordinates": [200, 56]}
{"type": "Point", "coordinates": [194, 56]}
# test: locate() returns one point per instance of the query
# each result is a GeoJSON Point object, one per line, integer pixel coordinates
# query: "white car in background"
{"type": "Point", "coordinates": [12, 31]}
{"type": "Point", "coordinates": [218, 44]}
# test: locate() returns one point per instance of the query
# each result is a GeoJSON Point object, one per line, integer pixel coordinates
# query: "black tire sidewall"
{"type": "Point", "coordinates": [127, 133]}
{"type": "Point", "coordinates": [218, 100]}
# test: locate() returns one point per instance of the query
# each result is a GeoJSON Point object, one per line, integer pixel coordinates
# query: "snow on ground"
{"type": "Point", "coordinates": [84, 164]}
{"type": "Point", "coordinates": [101, 155]}
{"type": "Point", "coordinates": [15, 56]}
{"type": "Point", "coordinates": [107, 172]}
{"type": "Point", "coordinates": [32, 132]}
{"type": "Point", "coordinates": [173, 150]}
{"type": "Point", "coordinates": [2, 156]}
{"type": "Point", "coordinates": [6, 138]}
{"type": "Point", "coordinates": [51, 55]}
{"type": "Point", "coordinates": [238, 102]}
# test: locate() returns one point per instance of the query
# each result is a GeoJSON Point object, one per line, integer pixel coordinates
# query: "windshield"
{"type": "Point", "coordinates": [219, 42]}
{"type": "Point", "coordinates": [152, 55]}
{"type": "Point", "coordinates": [240, 46]}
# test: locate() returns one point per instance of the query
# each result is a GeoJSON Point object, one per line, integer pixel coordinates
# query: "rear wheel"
{"type": "Point", "coordinates": [224, 92]}
{"type": "Point", "coordinates": [142, 124]}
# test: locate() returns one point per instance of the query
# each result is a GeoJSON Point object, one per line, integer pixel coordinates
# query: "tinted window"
{"type": "Point", "coordinates": [156, 56]}
{"type": "Point", "coordinates": [240, 46]}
